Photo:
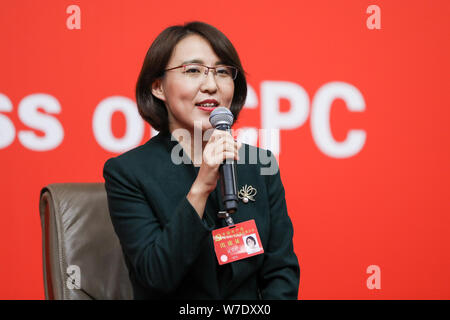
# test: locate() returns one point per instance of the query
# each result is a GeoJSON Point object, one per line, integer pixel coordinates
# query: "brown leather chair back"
{"type": "Point", "coordinates": [82, 257]}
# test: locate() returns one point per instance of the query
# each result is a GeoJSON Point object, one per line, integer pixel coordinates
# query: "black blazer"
{"type": "Point", "coordinates": [169, 250]}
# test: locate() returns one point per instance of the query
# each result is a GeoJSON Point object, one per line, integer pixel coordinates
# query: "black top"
{"type": "Point", "coordinates": [169, 250]}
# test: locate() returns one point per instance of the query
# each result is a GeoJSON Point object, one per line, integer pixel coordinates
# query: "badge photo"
{"type": "Point", "coordinates": [251, 244]}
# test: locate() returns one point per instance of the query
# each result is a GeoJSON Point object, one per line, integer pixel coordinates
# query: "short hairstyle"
{"type": "Point", "coordinates": [152, 109]}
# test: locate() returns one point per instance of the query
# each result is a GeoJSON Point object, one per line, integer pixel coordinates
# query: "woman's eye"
{"type": "Point", "coordinates": [223, 71]}
{"type": "Point", "coordinates": [192, 70]}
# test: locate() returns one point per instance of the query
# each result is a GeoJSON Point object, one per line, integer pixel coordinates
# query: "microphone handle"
{"type": "Point", "coordinates": [227, 173]}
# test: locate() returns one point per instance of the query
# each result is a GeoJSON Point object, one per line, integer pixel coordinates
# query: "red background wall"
{"type": "Point", "coordinates": [387, 205]}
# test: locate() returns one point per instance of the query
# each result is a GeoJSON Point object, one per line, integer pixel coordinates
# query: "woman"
{"type": "Point", "coordinates": [164, 212]}
{"type": "Point", "coordinates": [251, 245]}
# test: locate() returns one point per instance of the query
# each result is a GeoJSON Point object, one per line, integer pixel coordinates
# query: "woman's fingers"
{"type": "Point", "coordinates": [221, 146]}
{"type": "Point", "coordinates": [216, 155]}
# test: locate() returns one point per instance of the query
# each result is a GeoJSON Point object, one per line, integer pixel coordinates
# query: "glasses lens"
{"type": "Point", "coordinates": [226, 72]}
{"type": "Point", "coordinates": [194, 70]}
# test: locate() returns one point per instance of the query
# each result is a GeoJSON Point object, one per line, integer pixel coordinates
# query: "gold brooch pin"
{"type": "Point", "coordinates": [247, 193]}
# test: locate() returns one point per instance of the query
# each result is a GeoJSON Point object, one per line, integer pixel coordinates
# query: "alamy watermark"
{"type": "Point", "coordinates": [73, 21]}
{"type": "Point", "coordinates": [374, 20]}
{"type": "Point", "coordinates": [374, 280]}
{"type": "Point", "coordinates": [268, 162]}
{"type": "Point", "coordinates": [73, 280]}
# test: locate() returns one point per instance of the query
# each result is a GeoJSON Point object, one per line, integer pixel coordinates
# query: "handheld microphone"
{"type": "Point", "coordinates": [221, 118]}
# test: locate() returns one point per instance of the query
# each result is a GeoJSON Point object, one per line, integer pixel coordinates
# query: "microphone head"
{"type": "Point", "coordinates": [221, 115]}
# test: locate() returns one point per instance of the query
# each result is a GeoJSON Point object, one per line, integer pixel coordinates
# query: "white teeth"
{"type": "Point", "coordinates": [208, 105]}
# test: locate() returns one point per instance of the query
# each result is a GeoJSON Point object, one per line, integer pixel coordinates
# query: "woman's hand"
{"type": "Point", "coordinates": [220, 146]}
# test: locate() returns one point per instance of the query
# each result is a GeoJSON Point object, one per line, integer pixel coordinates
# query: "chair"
{"type": "Point", "coordinates": [82, 256]}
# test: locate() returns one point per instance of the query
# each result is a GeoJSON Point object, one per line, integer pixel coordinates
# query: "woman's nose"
{"type": "Point", "coordinates": [209, 82]}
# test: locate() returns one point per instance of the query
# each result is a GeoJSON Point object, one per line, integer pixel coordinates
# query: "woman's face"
{"type": "Point", "coordinates": [183, 96]}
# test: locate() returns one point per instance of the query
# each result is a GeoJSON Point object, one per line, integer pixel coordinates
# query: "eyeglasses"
{"type": "Point", "coordinates": [194, 71]}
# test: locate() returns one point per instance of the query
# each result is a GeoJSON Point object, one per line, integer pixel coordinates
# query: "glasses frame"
{"type": "Point", "coordinates": [207, 69]}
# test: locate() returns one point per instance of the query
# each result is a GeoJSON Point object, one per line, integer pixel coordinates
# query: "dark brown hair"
{"type": "Point", "coordinates": [152, 109]}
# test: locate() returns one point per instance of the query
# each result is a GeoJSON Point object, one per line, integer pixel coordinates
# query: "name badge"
{"type": "Point", "coordinates": [237, 242]}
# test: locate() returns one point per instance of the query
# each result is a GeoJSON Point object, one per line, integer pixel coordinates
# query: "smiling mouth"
{"type": "Point", "coordinates": [207, 109]}
{"type": "Point", "coordinates": [207, 105]}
